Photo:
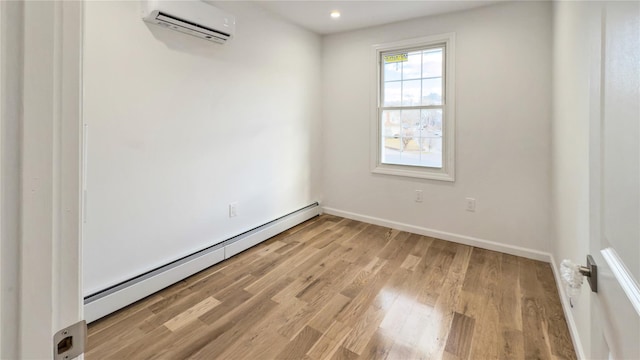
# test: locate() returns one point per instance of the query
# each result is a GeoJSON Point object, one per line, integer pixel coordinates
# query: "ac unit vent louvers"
{"type": "Point", "coordinates": [191, 28]}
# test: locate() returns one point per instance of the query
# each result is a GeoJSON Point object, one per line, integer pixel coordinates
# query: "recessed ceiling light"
{"type": "Point", "coordinates": [335, 14]}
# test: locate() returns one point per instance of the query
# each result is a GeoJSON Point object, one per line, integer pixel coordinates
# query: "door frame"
{"type": "Point", "coordinates": [10, 103]}
{"type": "Point", "coordinates": [597, 345]}
{"type": "Point", "coordinates": [2, 122]}
{"type": "Point", "coordinates": [49, 261]}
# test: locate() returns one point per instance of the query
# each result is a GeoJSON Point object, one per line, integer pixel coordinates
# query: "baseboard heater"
{"type": "Point", "coordinates": [118, 296]}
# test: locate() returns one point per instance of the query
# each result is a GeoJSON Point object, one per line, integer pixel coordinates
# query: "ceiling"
{"type": "Point", "coordinates": [358, 14]}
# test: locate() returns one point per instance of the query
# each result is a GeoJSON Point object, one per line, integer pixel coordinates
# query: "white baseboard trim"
{"type": "Point", "coordinates": [568, 314]}
{"type": "Point", "coordinates": [99, 305]}
{"type": "Point", "coordinates": [460, 239]}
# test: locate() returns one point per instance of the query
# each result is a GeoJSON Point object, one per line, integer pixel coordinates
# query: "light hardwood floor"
{"type": "Point", "coordinates": [333, 288]}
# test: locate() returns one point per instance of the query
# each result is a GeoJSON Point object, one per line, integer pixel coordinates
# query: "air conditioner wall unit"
{"type": "Point", "coordinates": [192, 17]}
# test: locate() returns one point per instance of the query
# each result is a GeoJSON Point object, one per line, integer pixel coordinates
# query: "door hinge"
{"type": "Point", "coordinates": [70, 342]}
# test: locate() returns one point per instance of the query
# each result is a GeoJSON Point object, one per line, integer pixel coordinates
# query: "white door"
{"type": "Point", "coordinates": [615, 180]}
{"type": "Point", "coordinates": [49, 266]}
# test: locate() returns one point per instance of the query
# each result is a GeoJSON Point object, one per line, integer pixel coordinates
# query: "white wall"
{"type": "Point", "coordinates": [11, 22]}
{"type": "Point", "coordinates": [179, 128]}
{"type": "Point", "coordinates": [503, 108]}
{"type": "Point", "coordinates": [570, 156]}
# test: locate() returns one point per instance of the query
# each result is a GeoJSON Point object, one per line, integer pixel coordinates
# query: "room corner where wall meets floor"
{"type": "Point", "coordinates": [338, 288]}
{"type": "Point", "coordinates": [457, 238]}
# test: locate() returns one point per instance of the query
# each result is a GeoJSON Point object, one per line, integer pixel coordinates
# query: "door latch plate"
{"type": "Point", "coordinates": [69, 343]}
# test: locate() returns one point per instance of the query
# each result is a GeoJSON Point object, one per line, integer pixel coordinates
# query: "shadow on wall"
{"type": "Point", "coordinates": [180, 42]}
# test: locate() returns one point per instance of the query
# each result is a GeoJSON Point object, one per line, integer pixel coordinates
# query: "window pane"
{"type": "Point", "coordinates": [391, 123]}
{"type": "Point", "coordinates": [412, 68]}
{"type": "Point", "coordinates": [411, 93]}
{"type": "Point", "coordinates": [401, 131]}
{"type": "Point", "coordinates": [391, 134]}
{"type": "Point", "coordinates": [431, 137]}
{"type": "Point", "coordinates": [412, 137]}
{"type": "Point", "coordinates": [432, 120]}
{"type": "Point", "coordinates": [393, 71]}
{"type": "Point", "coordinates": [432, 63]}
{"type": "Point", "coordinates": [432, 91]}
{"type": "Point", "coordinates": [392, 93]}
{"type": "Point", "coordinates": [410, 122]}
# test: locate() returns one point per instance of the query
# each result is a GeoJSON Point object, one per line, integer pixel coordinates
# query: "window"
{"type": "Point", "coordinates": [414, 113]}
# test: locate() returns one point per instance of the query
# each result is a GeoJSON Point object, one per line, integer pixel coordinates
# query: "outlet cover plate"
{"type": "Point", "coordinates": [471, 204]}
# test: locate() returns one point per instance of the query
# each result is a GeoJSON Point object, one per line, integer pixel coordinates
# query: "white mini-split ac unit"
{"type": "Point", "coordinates": [193, 17]}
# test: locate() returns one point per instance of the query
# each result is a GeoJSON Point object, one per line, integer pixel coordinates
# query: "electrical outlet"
{"type": "Point", "coordinates": [233, 209]}
{"type": "Point", "coordinates": [471, 204]}
{"type": "Point", "coordinates": [418, 195]}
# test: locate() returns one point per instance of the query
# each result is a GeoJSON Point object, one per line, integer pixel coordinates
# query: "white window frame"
{"type": "Point", "coordinates": [447, 172]}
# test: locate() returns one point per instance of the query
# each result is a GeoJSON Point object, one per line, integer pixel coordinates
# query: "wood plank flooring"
{"type": "Point", "coordinates": [333, 288]}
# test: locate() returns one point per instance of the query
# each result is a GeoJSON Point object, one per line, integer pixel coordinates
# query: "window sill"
{"type": "Point", "coordinates": [414, 172]}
